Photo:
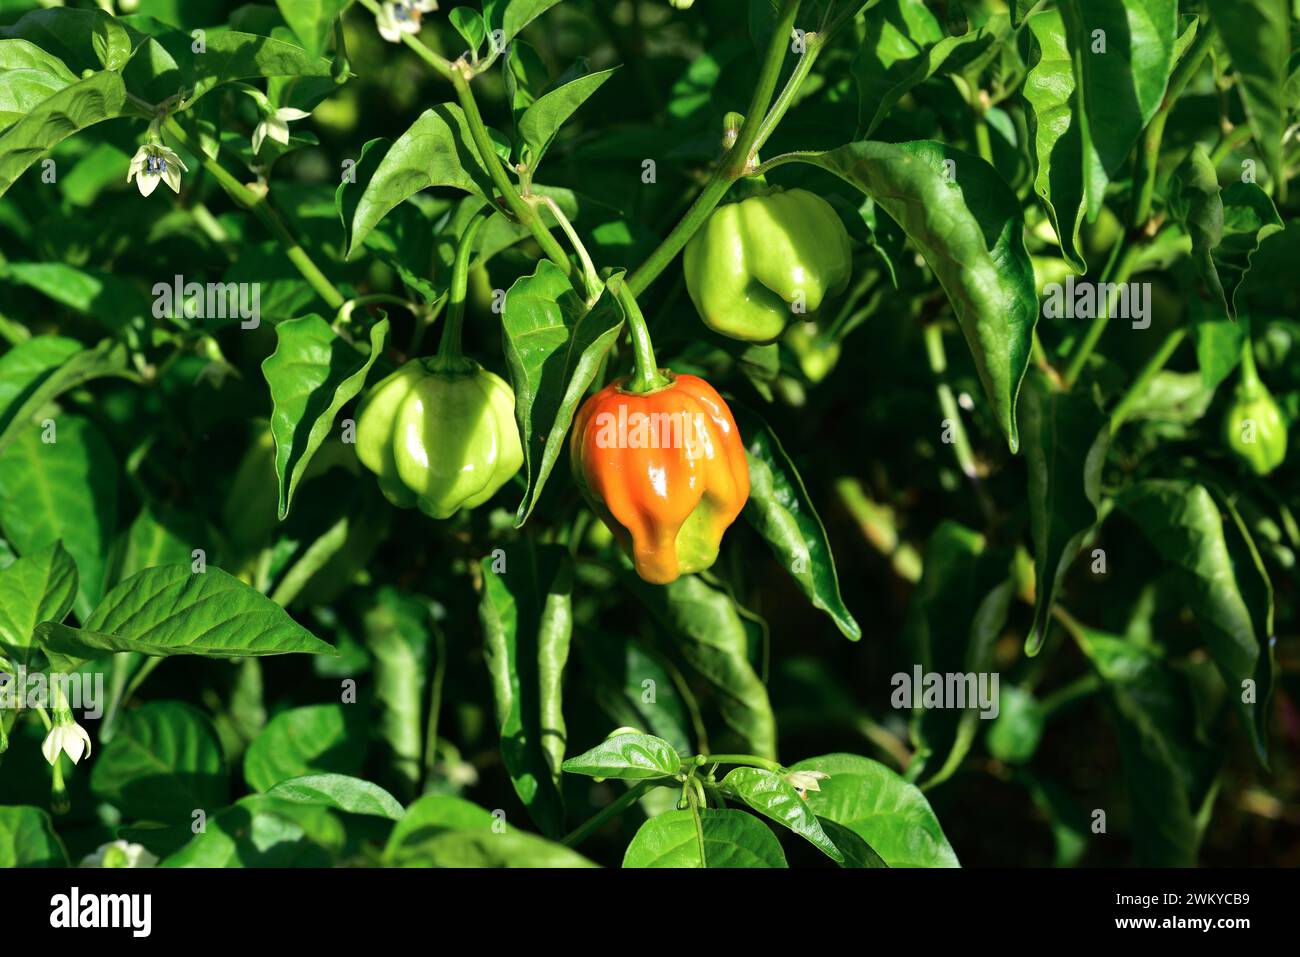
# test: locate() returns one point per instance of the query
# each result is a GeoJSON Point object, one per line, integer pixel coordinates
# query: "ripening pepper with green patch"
{"type": "Point", "coordinates": [759, 264]}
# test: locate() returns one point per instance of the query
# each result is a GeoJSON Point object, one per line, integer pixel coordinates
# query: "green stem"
{"type": "Point", "coordinates": [939, 366]}
{"type": "Point", "coordinates": [1118, 275]}
{"type": "Point", "coordinates": [524, 212]}
{"type": "Point", "coordinates": [734, 164]}
{"type": "Point", "coordinates": [261, 207]}
{"type": "Point", "coordinates": [1143, 380]}
{"type": "Point", "coordinates": [1079, 688]}
{"type": "Point", "coordinates": [441, 65]}
{"type": "Point", "coordinates": [750, 759]}
{"type": "Point", "coordinates": [589, 274]}
{"type": "Point", "coordinates": [813, 45]}
{"type": "Point", "coordinates": [449, 346]}
{"type": "Point", "coordinates": [435, 703]}
{"type": "Point", "coordinates": [611, 811]}
{"type": "Point", "coordinates": [646, 376]}
{"type": "Point", "coordinates": [1236, 137]}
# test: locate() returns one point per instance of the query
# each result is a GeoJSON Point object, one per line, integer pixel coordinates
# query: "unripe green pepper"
{"type": "Point", "coordinates": [758, 264]}
{"type": "Point", "coordinates": [440, 434]}
{"type": "Point", "coordinates": [816, 352]}
{"type": "Point", "coordinates": [1253, 428]}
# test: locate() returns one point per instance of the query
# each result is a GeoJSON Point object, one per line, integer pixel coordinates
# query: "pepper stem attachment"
{"type": "Point", "coordinates": [1250, 383]}
{"type": "Point", "coordinates": [646, 376]}
{"type": "Point", "coordinates": [449, 345]}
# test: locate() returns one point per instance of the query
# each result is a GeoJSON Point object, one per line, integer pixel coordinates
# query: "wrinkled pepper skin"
{"type": "Point", "coordinates": [1255, 431]}
{"type": "Point", "coordinates": [751, 260]}
{"type": "Point", "coordinates": [668, 506]}
{"type": "Point", "coordinates": [440, 436]}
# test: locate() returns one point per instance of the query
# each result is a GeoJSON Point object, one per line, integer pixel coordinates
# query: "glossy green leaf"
{"type": "Point", "coordinates": [631, 756]}
{"type": "Point", "coordinates": [771, 795]}
{"type": "Point", "coordinates": [171, 610]}
{"type": "Point", "coordinates": [485, 848]}
{"type": "Point", "coordinates": [1183, 522]}
{"type": "Point", "coordinates": [890, 814]}
{"type": "Point", "coordinates": [312, 21]}
{"type": "Point", "coordinates": [24, 367]}
{"type": "Point", "coordinates": [527, 616]}
{"type": "Point", "coordinates": [554, 347]}
{"type": "Point", "coordinates": [1257, 34]}
{"type": "Point", "coordinates": [312, 374]}
{"type": "Point", "coordinates": [856, 851]}
{"type": "Point", "coordinates": [968, 225]}
{"type": "Point", "coordinates": [1123, 54]}
{"type": "Point", "coordinates": [469, 24]}
{"type": "Point", "coordinates": [262, 831]}
{"type": "Point", "coordinates": [705, 838]}
{"type": "Point", "coordinates": [62, 490]}
{"type": "Point", "coordinates": [82, 39]}
{"type": "Point", "coordinates": [27, 838]}
{"type": "Point", "coordinates": [511, 16]}
{"type": "Point", "coordinates": [707, 634]}
{"type": "Point", "coordinates": [543, 119]}
{"type": "Point", "coordinates": [340, 792]}
{"type": "Point", "coordinates": [433, 813]}
{"type": "Point", "coordinates": [1066, 440]}
{"type": "Point", "coordinates": [435, 151]}
{"type": "Point", "coordinates": [781, 510]}
{"type": "Point", "coordinates": [314, 739]}
{"type": "Point", "coordinates": [163, 763]}
{"type": "Point", "coordinates": [28, 77]}
{"type": "Point", "coordinates": [40, 586]}
{"type": "Point", "coordinates": [99, 97]}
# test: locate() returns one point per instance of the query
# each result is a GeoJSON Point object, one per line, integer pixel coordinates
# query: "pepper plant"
{"type": "Point", "coordinates": [734, 433]}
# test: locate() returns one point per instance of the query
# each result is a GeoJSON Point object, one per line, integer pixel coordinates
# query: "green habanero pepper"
{"type": "Point", "coordinates": [1253, 428]}
{"type": "Point", "coordinates": [758, 264]}
{"type": "Point", "coordinates": [440, 434]}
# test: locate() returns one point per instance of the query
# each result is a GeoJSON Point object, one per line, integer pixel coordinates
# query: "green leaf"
{"type": "Point", "coordinates": [312, 374]}
{"type": "Point", "coordinates": [781, 510]}
{"type": "Point", "coordinates": [99, 97]}
{"type": "Point", "coordinates": [527, 616]}
{"type": "Point", "coordinates": [968, 225]}
{"type": "Point", "coordinates": [171, 610]}
{"type": "Point", "coordinates": [1066, 440]}
{"type": "Point", "coordinates": [908, 47]}
{"type": "Point", "coordinates": [312, 20]}
{"type": "Point", "coordinates": [397, 635]}
{"type": "Point", "coordinates": [856, 851]}
{"type": "Point", "coordinates": [82, 39]}
{"type": "Point", "coordinates": [707, 634]}
{"type": "Point", "coordinates": [1257, 34]}
{"type": "Point", "coordinates": [433, 813]}
{"type": "Point", "coordinates": [1226, 226]}
{"type": "Point", "coordinates": [511, 16]}
{"type": "Point", "coordinates": [1168, 771]}
{"type": "Point", "coordinates": [543, 119]}
{"type": "Point", "coordinates": [469, 24]}
{"type": "Point", "coordinates": [1183, 522]}
{"type": "Point", "coordinates": [484, 848]}
{"type": "Point", "coordinates": [554, 347]}
{"type": "Point", "coordinates": [771, 795]}
{"type": "Point", "coordinates": [28, 77]}
{"type": "Point", "coordinates": [1057, 133]}
{"type": "Point", "coordinates": [62, 490]}
{"type": "Point", "coordinates": [958, 612]}
{"type": "Point", "coordinates": [631, 756]}
{"type": "Point", "coordinates": [340, 792]}
{"type": "Point", "coordinates": [436, 150]}
{"type": "Point", "coordinates": [1123, 54]}
{"type": "Point", "coordinates": [160, 535]}
{"type": "Point", "coordinates": [163, 763]}
{"type": "Point", "coordinates": [890, 814]}
{"type": "Point", "coordinates": [262, 831]}
{"type": "Point", "coordinates": [39, 587]}
{"type": "Point", "coordinates": [717, 839]}
{"type": "Point", "coordinates": [27, 839]}
{"type": "Point", "coordinates": [314, 739]}
{"type": "Point", "coordinates": [40, 370]}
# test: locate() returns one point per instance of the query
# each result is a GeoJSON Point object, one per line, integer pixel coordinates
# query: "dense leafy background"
{"type": "Point", "coordinates": [168, 442]}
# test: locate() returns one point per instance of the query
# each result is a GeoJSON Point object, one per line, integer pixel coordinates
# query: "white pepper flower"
{"type": "Point", "coordinates": [394, 19]}
{"type": "Point", "coordinates": [275, 126]}
{"type": "Point", "coordinates": [805, 781]}
{"type": "Point", "coordinates": [119, 854]}
{"type": "Point", "coordinates": [154, 163]}
{"type": "Point", "coordinates": [67, 737]}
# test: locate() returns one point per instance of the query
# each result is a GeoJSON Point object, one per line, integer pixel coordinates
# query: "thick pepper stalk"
{"type": "Point", "coordinates": [759, 264]}
{"type": "Point", "coordinates": [665, 470]}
